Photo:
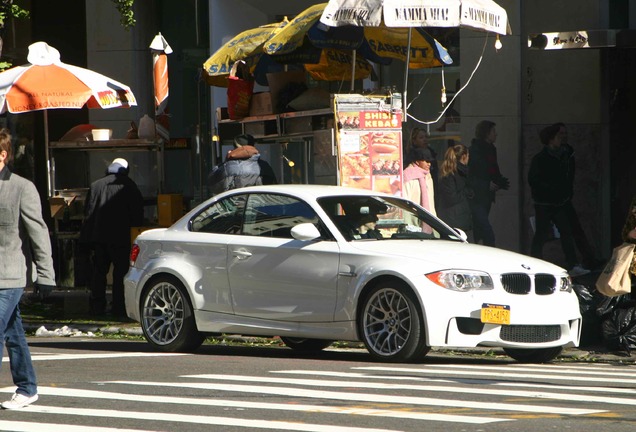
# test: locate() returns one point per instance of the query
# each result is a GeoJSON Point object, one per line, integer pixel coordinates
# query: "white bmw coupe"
{"type": "Point", "coordinates": [314, 264]}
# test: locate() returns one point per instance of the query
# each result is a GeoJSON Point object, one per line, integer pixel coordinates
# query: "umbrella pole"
{"type": "Point", "coordinates": [353, 71]}
{"type": "Point", "coordinates": [406, 74]}
{"type": "Point", "coordinates": [49, 170]}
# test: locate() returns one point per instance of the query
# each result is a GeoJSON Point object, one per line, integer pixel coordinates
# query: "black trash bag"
{"type": "Point", "coordinates": [608, 304]}
{"type": "Point", "coordinates": [619, 330]}
{"type": "Point", "coordinates": [586, 298]}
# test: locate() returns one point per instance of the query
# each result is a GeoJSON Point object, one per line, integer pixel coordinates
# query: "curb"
{"type": "Point", "coordinates": [587, 354]}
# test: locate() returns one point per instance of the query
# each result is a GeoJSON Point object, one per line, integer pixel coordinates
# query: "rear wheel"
{"type": "Point", "coordinates": [167, 319]}
{"type": "Point", "coordinates": [533, 355]}
{"type": "Point", "coordinates": [306, 345]}
{"type": "Point", "coordinates": [391, 324]}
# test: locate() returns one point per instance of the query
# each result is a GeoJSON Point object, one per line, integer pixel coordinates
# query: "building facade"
{"type": "Point", "coordinates": [521, 89]}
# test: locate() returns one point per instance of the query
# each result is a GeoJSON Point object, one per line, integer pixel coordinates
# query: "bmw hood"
{"type": "Point", "coordinates": [462, 255]}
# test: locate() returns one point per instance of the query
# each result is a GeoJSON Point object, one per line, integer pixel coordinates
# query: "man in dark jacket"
{"type": "Point", "coordinates": [113, 205]}
{"type": "Point", "coordinates": [550, 178]}
{"type": "Point", "coordinates": [242, 167]}
{"type": "Point", "coordinates": [485, 179]}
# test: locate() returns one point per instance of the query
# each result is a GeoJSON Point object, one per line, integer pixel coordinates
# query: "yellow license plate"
{"type": "Point", "coordinates": [495, 314]}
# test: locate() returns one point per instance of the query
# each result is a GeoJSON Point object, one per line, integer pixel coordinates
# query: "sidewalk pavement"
{"type": "Point", "coordinates": [71, 318]}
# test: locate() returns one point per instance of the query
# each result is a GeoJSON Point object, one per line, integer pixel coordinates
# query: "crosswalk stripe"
{"type": "Point", "coordinates": [368, 397]}
{"type": "Point", "coordinates": [581, 366]}
{"type": "Point", "coordinates": [616, 390]}
{"type": "Point", "coordinates": [499, 374]}
{"type": "Point", "coordinates": [467, 390]}
{"type": "Point", "coordinates": [19, 426]}
{"type": "Point", "coordinates": [199, 419]}
{"type": "Point", "coordinates": [95, 394]}
{"type": "Point", "coordinates": [553, 368]}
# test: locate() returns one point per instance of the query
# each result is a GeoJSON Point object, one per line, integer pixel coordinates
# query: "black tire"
{"type": "Point", "coordinates": [167, 319]}
{"type": "Point", "coordinates": [306, 345]}
{"type": "Point", "coordinates": [533, 355]}
{"type": "Point", "coordinates": [391, 324]}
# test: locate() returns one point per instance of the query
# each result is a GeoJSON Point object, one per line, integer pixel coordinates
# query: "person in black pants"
{"type": "Point", "coordinates": [580, 238]}
{"type": "Point", "coordinates": [485, 179]}
{"type": "Point", "coordinates": [550, 179]}
{"type": "Point", "coordinates": [113, 205]}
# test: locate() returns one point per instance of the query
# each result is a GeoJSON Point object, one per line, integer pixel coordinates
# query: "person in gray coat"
{"type": "Point", "coordinates": [24, 242]}
{"type": "Point", "coordinates": [242, 167]}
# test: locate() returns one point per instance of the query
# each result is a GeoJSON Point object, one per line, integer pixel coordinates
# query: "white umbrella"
{"type": "Point", "coordinates": [483, 15]}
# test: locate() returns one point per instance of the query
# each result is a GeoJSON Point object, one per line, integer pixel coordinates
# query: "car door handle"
{"type": "Point", "coordinates": [241, 254]}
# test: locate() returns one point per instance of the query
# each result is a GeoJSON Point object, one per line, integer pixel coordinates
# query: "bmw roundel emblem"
{"type": "Point", "coordinates": [525, 266]}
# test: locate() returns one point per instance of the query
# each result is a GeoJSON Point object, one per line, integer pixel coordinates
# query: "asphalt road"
{"type": "Point", "coordinates": [93, 385]}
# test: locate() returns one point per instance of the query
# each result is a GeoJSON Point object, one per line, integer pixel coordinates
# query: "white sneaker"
{"type": "Point", "coordinates": [19, 401]}
{"type": "Point", "coordinates": [577, 270]}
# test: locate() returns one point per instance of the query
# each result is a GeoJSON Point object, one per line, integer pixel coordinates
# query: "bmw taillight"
{"type": "Point", "coordinates": [134, 252]}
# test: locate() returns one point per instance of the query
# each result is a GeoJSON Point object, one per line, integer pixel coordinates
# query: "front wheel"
{"type": "Point", "coordinates": [167, 319]}
{"type": "Point", "coordinates": [305, 345]}
{"type": "Point", "coordinates": [533, 355]}
{"type": "Point", "coordinates": [391, 324]}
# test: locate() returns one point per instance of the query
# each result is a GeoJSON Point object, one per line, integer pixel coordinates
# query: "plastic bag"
{"type": "Point", "coordinates": [608, 304]}
{"type": "Point", "coordinates": [586, 298]}
{"type": "Point", "coordinates": [619, 330]}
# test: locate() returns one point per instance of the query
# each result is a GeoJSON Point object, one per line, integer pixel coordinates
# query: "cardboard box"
{"type": "Point", "coordinates": [261, 104]}
{"type": "Point", "coordinates": [169, 208]}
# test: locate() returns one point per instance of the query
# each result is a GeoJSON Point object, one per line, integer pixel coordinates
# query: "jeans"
{"type": "Point", "coordinates": [12, 334]}
{"type": "Point", "coordinates": [105, 255]}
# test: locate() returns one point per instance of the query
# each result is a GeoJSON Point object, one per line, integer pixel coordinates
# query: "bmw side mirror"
{"type": "Point", "coordinates": [305, 232]}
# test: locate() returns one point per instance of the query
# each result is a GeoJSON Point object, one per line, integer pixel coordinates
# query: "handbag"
{"type": "Point", "coordinates": [239, 91]}
{"type": "Point", "coordinates": [615, 280]}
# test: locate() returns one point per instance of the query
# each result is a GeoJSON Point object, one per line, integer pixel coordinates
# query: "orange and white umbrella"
{"type": "Point", "coordinates": [160, 50]}
{"type": "Point", "coordinates": [48, 83]}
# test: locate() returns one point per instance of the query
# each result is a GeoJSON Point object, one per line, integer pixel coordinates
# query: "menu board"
{"type": "Point", "coordinates": [370, 148]}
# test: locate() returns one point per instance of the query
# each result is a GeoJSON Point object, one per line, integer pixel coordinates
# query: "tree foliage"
{"type": "Point", "coordinates": [124, 7]}
{"type": "Point", "coordinates": [12, 8]}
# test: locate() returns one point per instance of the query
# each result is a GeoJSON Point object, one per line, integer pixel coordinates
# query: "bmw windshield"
{"type": "Point", "coordinates": [383, 218]}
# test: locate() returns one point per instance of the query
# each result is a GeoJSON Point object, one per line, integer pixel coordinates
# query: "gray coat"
{"type": "Point", "coordinates": [238, 173]}
{"type": "Point", "coordinates": [24, 237]}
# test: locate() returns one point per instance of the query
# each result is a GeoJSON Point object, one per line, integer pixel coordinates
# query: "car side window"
{"type": "Point", "coordinates": [270, 215]}
{"type": "Point", "coordinates": [222, 217]}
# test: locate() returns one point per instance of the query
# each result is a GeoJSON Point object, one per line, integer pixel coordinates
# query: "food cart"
{"type": "Point", "coordinates": [74, 166]}
{"type": "Point", "coordinates": [343, 145]}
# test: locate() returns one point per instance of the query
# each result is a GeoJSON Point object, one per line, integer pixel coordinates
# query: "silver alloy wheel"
{"type": "Point", "coordinates": [387, 322]}
{"type": "Point", "coordinates": [163, 313]}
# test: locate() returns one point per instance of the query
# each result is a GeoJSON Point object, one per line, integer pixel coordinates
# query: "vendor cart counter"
{"type": "Point", "coordinates": [76, 164]}
{"type": "Point", "coordinates": [300, 146]}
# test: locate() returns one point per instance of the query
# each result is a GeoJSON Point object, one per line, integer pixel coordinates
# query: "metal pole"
{"type": "Point", "coordinates": [353, 71]}
{"type": "Point", "coordinates": [406, 75]}
{"type": "Point", "coordinates": [49, 168]}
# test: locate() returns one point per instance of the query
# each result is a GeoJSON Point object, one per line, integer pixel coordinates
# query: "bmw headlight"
{"type": "Point", "coordinates": [565, 284]}
{"type": "Point", "coordinates": [462, 280]}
